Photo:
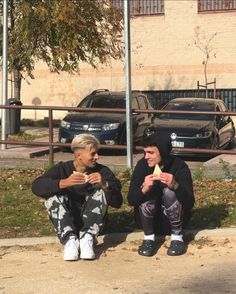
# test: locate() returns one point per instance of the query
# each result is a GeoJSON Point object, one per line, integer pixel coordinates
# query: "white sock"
{"type": "Point", "coordinates": [149, 237]}
{"type": "Point", "coordinates": [177, 237]}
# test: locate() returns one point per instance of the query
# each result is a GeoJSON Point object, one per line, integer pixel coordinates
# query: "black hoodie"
{"type": "Point", "coordinates": [47, 184]}
{"type": "Point", "coordinates": [171, 164]}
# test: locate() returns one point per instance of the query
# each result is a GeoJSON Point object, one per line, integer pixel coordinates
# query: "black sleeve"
{"type": "Point", "coordinates": [47, 184]}
{"type": "Point", "coordinates": [113, 192]}
{"type": "Point", "coordinates": [135, 195]}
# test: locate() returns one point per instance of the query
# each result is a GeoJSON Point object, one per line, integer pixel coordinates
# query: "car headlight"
{"type": "Point", "coordinates": [204, 134]}
{"type": "Point", "coordinates": [109, 127]}
{"type": "Point", "coordinates": [65, 124]}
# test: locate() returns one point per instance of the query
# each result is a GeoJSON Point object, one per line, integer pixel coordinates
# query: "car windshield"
{"type": "Point", "coordinates": [188, 106]}
{"type": "Point", "coordinates": [103, 102]}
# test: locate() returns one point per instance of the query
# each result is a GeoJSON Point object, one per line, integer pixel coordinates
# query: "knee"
{"type": "Point", "coordinates": [147, 208]}
{"type": "Point", "coordinates": [169, 197]}
{"type": "Point", "coordinates": [55, 201]}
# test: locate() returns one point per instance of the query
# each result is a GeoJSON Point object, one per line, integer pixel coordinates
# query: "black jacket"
{"type": "Point", "coordinates": [47, 185]}
{"type": "Point", "coordinates": [173, 165]}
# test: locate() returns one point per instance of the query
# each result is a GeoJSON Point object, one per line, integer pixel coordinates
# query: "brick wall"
{"type": "Point", "coordinates": [164, 57]}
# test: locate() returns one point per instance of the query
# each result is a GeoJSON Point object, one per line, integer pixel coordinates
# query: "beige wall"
{"type": "Point", "coordinates": [164, 56]}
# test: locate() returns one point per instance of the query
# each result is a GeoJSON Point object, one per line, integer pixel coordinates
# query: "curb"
{"type": "Point", "coordinates": [215, 234]}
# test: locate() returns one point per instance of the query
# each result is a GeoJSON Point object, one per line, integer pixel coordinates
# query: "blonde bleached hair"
{"type": "Point", "coordinates": [83, 140]}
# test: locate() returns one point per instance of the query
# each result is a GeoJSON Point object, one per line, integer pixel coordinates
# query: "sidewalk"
{"type": "Point", "coordinates": [27, 151]}
{"type": "Point", "coordinates": [207, 267]}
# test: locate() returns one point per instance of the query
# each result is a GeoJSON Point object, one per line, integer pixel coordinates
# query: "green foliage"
{"type": "Point", "coordinates": [199, 174]}
{"type": "Point", "coordinates": [226, 168]}
{"type": "Point", "coordinates": [63, 34]}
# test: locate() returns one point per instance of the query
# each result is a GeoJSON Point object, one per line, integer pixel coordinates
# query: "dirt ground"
{"type": "Point", "coordinates": [207, 267]}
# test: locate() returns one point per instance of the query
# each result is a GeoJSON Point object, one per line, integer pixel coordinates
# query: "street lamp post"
{"type": "Point", "coordinates": [129, 125]}
{"type": "Point", "coordinates": [4, 69]}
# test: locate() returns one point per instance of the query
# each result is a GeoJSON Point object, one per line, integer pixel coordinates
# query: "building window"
{"type": "Point", "coordinates": [216, 5]}
{"type": "Point", "coordinates": [142, 7]}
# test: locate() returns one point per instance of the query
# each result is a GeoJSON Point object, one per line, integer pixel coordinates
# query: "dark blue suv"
{"type": "Point", "coordinates": [109, 128]}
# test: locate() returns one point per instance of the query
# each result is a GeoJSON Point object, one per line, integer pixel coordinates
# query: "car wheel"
{"type": "Point", "coordinates": [231, 143]}
{"type": "Point", "coordinates": [123, 137]}
{"type": "Point", "coordinates": [215, 143]}
{"type": "Point", "coordinates": [65, 149]}
{"type": "Point", "coordinates": [122, 142]}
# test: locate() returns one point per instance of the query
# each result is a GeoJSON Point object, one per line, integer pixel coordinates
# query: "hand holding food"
{"type": "Point", "coordinates": [80, 177]}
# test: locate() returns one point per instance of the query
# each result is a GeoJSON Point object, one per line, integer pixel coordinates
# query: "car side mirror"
{"type": "Point", "coordinates": [220, 120]}
{"type": "Point", "coordinates": [153, 118]}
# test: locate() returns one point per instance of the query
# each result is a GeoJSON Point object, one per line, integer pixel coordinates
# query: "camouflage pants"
{"type": "Point", "coordinates": [70, 217]}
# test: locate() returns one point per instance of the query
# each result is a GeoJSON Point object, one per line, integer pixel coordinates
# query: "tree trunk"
{"type": "Point", "coordinates": [17, 83]}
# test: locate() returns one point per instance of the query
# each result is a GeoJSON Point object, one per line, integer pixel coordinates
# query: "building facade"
{"type": "Point", "coordinates": [174, 44]}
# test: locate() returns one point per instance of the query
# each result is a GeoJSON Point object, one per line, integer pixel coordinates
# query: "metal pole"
{"type": "Point", "coordinates": [215, 88]}
{"type": "Point", "coordinates": [4, 70]}
{"type": "Point", "coordinates": [50, 124]}
{"type": "Point", "coordinates": [129, 128]}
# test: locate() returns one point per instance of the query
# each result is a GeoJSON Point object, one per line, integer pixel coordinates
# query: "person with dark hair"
{"type": "Point", "coordinates": [77, 194]}
{"type": "Point", "coordinates": [161, 191]}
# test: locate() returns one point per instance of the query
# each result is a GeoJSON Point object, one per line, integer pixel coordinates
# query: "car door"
{"type": "Point", "coordinates": [224, 125]}
{"type": "Point", "coordinates": [143, 119]}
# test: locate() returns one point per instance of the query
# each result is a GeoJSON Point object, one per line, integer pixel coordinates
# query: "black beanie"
{"type": "Point", "coordinates": [161, 141]}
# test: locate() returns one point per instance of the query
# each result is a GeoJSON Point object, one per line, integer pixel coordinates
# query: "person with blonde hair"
{"type": "Point", "coordinates": [77, 194]}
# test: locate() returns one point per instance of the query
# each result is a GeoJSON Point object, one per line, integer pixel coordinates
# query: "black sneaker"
{"type": "Point", "coordinates": [147, 248]}
{"type": "Point", "coordinates": [176, 248]}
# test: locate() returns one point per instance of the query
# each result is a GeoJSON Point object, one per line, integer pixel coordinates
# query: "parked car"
{"type": "Point", "coordinates": [109, 128]}
{"type": "Point", "coordinates": [186, 130]}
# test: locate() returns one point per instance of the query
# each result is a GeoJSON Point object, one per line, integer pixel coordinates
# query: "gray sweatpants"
{"type": "Point", "coordinates": [171, 208]}
{"type": "Point", "coordinates": [69, 217]}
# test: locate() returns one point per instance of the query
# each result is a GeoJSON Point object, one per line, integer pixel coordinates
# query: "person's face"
{"type": "Point", "coordinates": [86, 158]}
{"type": "Point", "coordinates": [152, 155]}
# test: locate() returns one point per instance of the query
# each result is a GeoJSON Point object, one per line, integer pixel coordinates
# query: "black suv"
{"type": "Point", "coordinates": [109, 128]}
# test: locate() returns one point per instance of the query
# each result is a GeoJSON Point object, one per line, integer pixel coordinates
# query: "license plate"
{"type": "Point", "coordinates": [177, 144]}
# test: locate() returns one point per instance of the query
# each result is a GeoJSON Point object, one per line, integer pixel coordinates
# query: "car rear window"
{"type": "Point", "coordinates": [188, 106]}
{"type": "Point", "coordinates": [103, 102]}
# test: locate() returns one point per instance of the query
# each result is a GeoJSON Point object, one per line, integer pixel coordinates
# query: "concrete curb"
{"type": "Point", "coordinates": [215, 234]}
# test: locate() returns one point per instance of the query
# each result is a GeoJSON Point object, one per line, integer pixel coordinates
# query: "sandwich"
{"type": "Point", "coordinates": [157, 170]}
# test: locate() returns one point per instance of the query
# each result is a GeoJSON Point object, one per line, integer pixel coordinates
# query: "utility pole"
{"type": "Point", "coordinates": [129, 124]}
{"type": "Point", "coordinates": [4, 69]}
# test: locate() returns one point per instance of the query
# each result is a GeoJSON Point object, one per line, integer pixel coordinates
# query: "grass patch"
{"type": "Point", "coordinates": [40, 122]}
{"type": "Point", "coordinates": [23, 136]}
{"type": "Point", "coordinates": [23, 215]}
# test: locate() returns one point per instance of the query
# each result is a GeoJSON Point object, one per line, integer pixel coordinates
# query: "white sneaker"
{"type": "Point", "coordinates": [86, 247]}
{"type": "Point", "coordinates": [71, 249]}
